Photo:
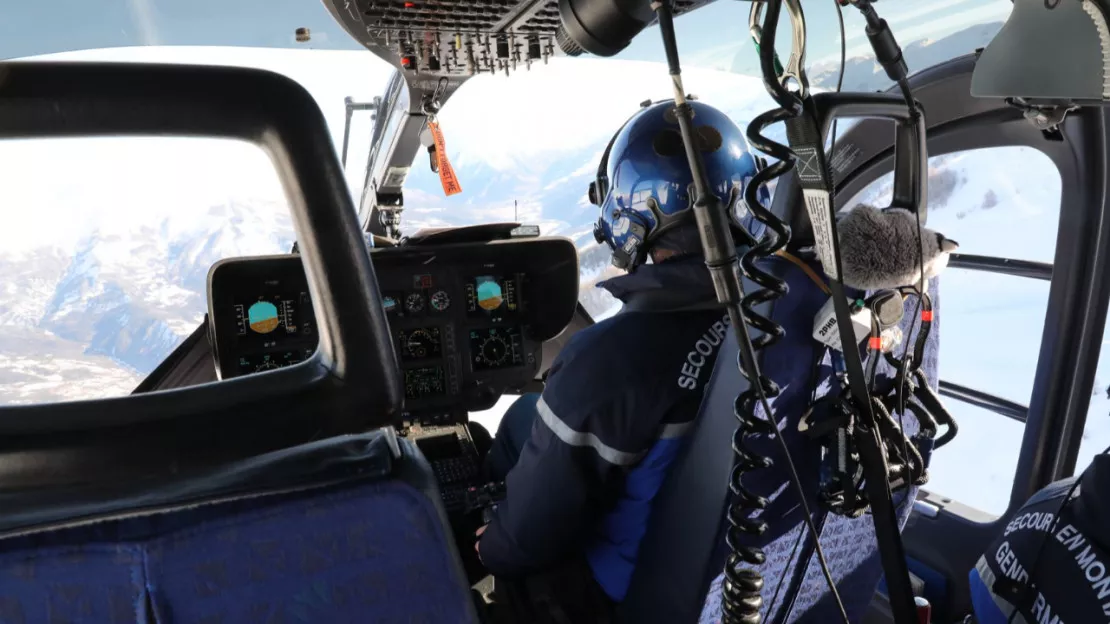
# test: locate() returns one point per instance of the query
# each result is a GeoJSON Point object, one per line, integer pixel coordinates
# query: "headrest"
{"type": "Point", "coordinates": [1048, 50]}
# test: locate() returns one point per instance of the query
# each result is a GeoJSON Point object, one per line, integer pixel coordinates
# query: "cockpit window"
{"type": "Point", "coordinates": [106, 249]}
{"type": "Point", "coordinates": [107, 242]}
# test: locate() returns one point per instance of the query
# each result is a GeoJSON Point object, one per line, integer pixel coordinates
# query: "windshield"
{"type": "Point", "coordinates": [112, 239]}
{"type": "Point", "coordinates": [536, 162]}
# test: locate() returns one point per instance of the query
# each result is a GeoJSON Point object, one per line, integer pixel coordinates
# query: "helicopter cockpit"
{"type": "Point", "coordinates": [308, 448]}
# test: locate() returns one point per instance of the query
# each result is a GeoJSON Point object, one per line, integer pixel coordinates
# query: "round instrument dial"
{"type": "Point", "coordinates": [494, 351]}
{"type": "Point", "coordinates": [440, 301]}
{"type": "Point", "coordinates": [419, 343]}
{"type": "Point", "coordinates": [414, 302]}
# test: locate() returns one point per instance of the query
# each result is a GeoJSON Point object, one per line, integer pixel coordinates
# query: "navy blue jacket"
{"type": "Point", "coordinates": [618, 401]}
{"type": "Point", "coordinates": [1052, 561]}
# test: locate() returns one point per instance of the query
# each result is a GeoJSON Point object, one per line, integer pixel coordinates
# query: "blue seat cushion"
{"type": "Point", "coordinates": [357, 552]}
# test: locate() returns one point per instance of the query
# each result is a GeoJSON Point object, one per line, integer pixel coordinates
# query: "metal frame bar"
{"type": "Point", "coordinates": [1004, 266]}
{"type": "Point", "coordinates": [978, 398]}
{"type": "Point", "coordinates": [352, 106]}
{"type": "Point", "coordinates": [1075, 318]}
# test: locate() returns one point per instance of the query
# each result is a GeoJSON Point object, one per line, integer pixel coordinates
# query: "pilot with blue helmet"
{"type": "Point", "coordinates": [583, 462]}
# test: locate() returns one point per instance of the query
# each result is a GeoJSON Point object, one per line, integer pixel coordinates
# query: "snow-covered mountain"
{"type": "Point", "coordinates": [105, 266]}
{"type": "Point", "coordinates": [121, 302]}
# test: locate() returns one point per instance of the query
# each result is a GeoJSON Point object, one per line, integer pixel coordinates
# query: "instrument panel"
{"type": "Point", "coordinates": [458, 38]}
{"type": "Point", "coordinates": [451, 323]}
{"type": "Point", "coordinates": [467, 320]}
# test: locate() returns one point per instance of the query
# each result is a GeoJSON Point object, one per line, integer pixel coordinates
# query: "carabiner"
{"type": "Point", "coordinates": [430, 104]}
{"type": "Point", "coordinates": [795, 65]}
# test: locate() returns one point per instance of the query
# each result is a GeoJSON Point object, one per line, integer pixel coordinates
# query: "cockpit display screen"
{"type": "Point", "coordinates": [424, 382]}
{"type": "Point", "coordinates": [272, 316]}
{"type": "Point", "coordinates": [273, 329]}
{"type": "Point", "coordinates": [491, 296]}
{"type": "Point", "coordinates": [261, 314]}
{"type": "Point", "coordinates": [496, 347]}
{"type": "Point", "coordinates": [419, 343]}
{"type": "Point", "coordinates": [259, 362]}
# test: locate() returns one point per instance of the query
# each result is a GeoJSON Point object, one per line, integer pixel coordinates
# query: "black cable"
{"type": "Point", "coordinates": [814, 372]}
{"type": "Point", "coordinates": [791, 598]}
{"type": "Point", "coordinates": [789, 561]}
{"type": "Point", "coordinates": [889, 55]}
{"type": "Point", "coordinates": [840, 76]}
{"type": "Point", "coordinates": [742, 588]}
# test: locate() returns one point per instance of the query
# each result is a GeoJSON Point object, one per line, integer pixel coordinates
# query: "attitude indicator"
{"type": "Point", "coordinates": [263, 317]}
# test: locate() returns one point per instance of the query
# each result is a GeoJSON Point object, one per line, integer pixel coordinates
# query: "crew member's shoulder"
{"type": "Point", "coordinates": [628, 339]}
{"type": "Point", "coordinates": [605, 340]}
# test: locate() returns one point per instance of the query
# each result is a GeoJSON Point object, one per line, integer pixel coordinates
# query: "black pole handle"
{"type": "Point", "coordinates": [911, 159]}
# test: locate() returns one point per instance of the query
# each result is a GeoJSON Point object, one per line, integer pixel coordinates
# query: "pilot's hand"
{"type": "Point", "coordinates": [478, 534]}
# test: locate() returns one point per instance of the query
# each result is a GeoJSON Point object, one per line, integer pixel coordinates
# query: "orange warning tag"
{"type": "Point", "coordinates": [447, 177]}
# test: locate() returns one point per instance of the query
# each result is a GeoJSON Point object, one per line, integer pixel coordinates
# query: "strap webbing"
{"type": "Point", "coordinates": [807, 142]}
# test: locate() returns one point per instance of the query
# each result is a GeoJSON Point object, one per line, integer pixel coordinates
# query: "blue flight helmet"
{"type": "Point", "coordinates": [644, 186]}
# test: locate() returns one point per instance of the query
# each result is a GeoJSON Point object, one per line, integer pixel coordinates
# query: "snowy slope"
{"type": "Point", "coordinates": [105, 266]}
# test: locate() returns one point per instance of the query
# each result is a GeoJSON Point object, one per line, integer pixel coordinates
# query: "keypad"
{"type": "Point", "coordinates": [454, 497]}
{"type": "Point", "coordinates": [455, 470]}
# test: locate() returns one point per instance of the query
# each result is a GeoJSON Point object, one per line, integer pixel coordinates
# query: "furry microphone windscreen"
{"type": "Point", "coordinates": [878, 248]}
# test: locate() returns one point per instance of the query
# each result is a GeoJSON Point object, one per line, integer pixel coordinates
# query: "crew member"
{"type": "Point", "coordinates": [583, 461]}
{"type": "Point", "coordinates": [1052, 561]}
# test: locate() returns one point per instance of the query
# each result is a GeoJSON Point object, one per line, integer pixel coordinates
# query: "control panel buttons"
{"type": "Point", "coordinates": [455, 469]}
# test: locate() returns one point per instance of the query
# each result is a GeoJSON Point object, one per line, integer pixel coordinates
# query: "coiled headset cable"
{"type": "Point", "coordinates": [742, 588]}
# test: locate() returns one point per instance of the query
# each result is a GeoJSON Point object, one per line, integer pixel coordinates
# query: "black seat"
{"type": "Point", "coordinates": [210, 503]}
{"type": "Point", "coordinates": [347, 529]}
{"type": "Point", "coordinates": [681, 558]}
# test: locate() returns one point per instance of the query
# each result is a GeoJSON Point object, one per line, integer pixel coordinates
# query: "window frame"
{"type": "Point", "coordinates": [1002, 266]}
{"type": "Point", "coordinates": [1056, 413]}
